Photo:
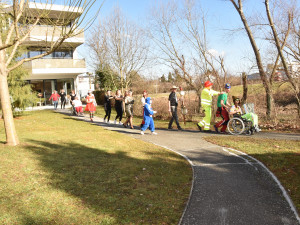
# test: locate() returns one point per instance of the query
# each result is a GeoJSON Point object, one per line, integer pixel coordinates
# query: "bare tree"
{"type": "Point", "coordinates": [238, 5]}
{"type": "Point", "coordinates": [293, 80]}
{"type": "Point", "coordinates": [17, 22]}
{"type": "Point", "coordinates": [121, 45]}
{"type": "Point", "coordinates": [180, 35]}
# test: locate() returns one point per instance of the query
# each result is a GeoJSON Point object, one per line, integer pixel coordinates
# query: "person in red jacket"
{"type": "Point", "coordinates": [54, 98]}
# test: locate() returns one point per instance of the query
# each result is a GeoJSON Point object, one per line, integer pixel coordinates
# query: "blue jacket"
{"type": "Point", "coordinates": [147, 108]}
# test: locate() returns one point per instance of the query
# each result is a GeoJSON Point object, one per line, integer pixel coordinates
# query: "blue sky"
{"type": "Point", "coordinates": [221, 16]}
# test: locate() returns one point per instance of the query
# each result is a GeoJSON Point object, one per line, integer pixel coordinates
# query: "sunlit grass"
{"type": "Point", "coordinates": [72, 172]}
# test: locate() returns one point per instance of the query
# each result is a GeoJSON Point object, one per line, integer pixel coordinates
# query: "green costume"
{"type": "Point", "coordinates": [252, 117]}
{"type": "Point", "coordinates": [206, 100]}
{"type": "Point", "coordinates": [220, 98]}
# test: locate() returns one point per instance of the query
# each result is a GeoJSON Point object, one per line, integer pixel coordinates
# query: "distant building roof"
{"type": "Point", "coordinates": [253, 76]}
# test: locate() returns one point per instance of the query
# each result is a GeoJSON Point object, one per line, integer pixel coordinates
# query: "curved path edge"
{"type": "Point", "coordinates": [216, 173]}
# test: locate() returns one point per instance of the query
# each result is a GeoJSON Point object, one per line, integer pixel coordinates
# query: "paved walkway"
{"type": "Point", "coordinates": [228, 187]}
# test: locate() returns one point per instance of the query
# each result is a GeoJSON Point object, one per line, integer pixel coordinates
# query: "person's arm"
{"type": "Point", "coordinates": [119, 98]}
{"type": "Point", "coordinates": [213, 92]}
{"type": "Point", "coordinates": [170, 102]}
{"type": "Point", "coordinates": [148, 108]}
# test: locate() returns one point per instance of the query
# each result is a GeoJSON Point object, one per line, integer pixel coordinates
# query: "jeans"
{"type": "Point", "coordinates": [174, 117]}
{"type": "Point", "coordinates": [55, 103]}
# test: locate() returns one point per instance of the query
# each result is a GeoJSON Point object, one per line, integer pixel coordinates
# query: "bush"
{"type": "Point", "coordinates": [99, 96]}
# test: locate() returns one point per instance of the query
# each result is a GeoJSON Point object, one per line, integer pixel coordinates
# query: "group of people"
{"type": "Point", "coordinates": [224, 109]}
{"type": "Point", "coordinates": [75, 102]}
{"type": "Point", "coordinates": [126, 102]}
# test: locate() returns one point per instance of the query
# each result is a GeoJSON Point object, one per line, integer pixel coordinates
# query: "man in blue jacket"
{"type": "Point", "coordinates": [148, 117]}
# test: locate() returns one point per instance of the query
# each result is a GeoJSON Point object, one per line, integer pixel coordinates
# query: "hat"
{"type": "Point", "coordinates": [208, 84]}
{"type": "Point", "coordinates": [234, 98]}
{"type": "Point", "coordinates": [227, 86]}
{"type": "Point", "coordinates": [173, 87]}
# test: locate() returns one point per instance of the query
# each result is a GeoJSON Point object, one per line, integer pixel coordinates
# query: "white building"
{"type": "Point", "coordinates": [60, 69]}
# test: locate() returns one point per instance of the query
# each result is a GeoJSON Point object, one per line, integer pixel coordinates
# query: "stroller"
{"type": "Point", "coordinates": [246, 123]}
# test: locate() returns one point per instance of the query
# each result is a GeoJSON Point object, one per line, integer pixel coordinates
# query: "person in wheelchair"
{"type": "Point", "coordinates": [78, 106]}
{"type": "Point", "coordinates": [236, 111]}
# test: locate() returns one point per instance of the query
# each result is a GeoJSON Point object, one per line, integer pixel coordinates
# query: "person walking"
{"type": "Point", "coordinates": [107, 106]}
{"type": "Point", "coordinates": [62, 98]}
{"type": "Point", "coordinates": [148, 117]}
{"type": "Point", "coordinates": [223, 108]}
{"type": "Point", "coordinates": [173, 103]}
{"type": "Point", "coordinates": [90, 104]}
{"type": "Point", "coordinates": [206, 100]}
{"type": "Point", "coordinates": [143, 100]}
{"type": "Point", "coordinates": [129, 101]}
{"type": "Point", "coordinates": [54, 98]}
{"type": "Point", "coordinates": [72, 98]}
{"type": "Point", "coordinates": [119, 106]}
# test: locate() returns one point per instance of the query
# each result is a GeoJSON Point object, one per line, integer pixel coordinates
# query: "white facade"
{"type": "Point", "coordinates": [84, 84]}
{"type": "Point", "coordinates": [60, 69]}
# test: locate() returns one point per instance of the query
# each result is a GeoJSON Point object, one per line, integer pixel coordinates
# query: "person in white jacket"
{"type": "Point", "coordinates": [78, 106]}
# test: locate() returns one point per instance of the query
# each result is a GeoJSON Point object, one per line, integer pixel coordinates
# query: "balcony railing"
{"type": "Point", "coordinates": [55, 63]}
{"type": "Point", "coordinates": [50, 33]}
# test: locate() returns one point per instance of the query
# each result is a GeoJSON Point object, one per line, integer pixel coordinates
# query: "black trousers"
{"type": "Point", "coordinates": [174, 117]}
{"type": "Point", "coordinates": [119, 111]}
{"type": "Point", "coordinates": [107, 113]}
{"type": "Point", "coordinates": [63, 103]}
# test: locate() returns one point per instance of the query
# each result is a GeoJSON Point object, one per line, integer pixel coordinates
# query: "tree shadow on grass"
{"type": "Point", "coordinates": [131, 190]}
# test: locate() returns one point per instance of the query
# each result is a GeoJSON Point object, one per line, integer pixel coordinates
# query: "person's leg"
{"type": "Point", "coordinates": [61, 104]}
{"type": "Point", "coordinates": [151, 125]}
{"type": "Point", "coordinates": [176, 118]}
{"type": "Point", "coordinates": [225, 116]}
{"type": "Point", "coordinates": [117, 116]}
{"type": "Point", "coordinates": [172, 119]}
{"type": "Point", "coordinates": [205, 122]}
{"type": "Point", "coordinates": [108, 114]}
{"type": "Point", "coordinates": [65, 103]}
{"type": "Point", "coordinates": [130, 122]}
{"type": "Point", "coordinates": [207, 118]}
{"type": "Point", "coordinates": [146, 124]}
{"type": "Point", "coordinates": [80, 109]}
{"type": "Point", "coordinates": [126, 122]}
{"type": "Point", "coordinates": [121, 114]}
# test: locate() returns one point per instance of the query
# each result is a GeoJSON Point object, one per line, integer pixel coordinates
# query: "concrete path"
{"type": "Point", "coordinates": [228, 187]}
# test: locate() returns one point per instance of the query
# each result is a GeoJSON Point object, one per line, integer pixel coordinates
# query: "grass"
{"type": "Point", "coordinates": [72, 172]}
{"type": "Point", "coordinates": [282, 157]}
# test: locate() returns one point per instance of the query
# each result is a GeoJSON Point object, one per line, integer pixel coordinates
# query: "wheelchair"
{"type": "Point", "coordinates": [240, 125]}
{"type": "Point", "coordinates": [73, 111]}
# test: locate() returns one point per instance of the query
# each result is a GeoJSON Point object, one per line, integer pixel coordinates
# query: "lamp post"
{"type": "Point", "coordinates": [90, 81]}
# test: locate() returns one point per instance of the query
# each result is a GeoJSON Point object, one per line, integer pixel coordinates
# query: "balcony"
{"type": "Point", "coordinates": [42, 36]}
{"type": "Point", "coordinates": [55, 68]}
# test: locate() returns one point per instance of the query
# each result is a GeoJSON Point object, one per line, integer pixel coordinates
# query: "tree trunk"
{"type": "Point", "coordinates": [10, 130]}
{"type": "Point", "coordinates": [245, 88]}
{"type": "Point", "coordinates": [270, 102]}
{"type": "Point", "coordinates": [199, 101]}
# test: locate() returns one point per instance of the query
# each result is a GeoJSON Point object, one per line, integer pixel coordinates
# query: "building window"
{"type": "Point", "coordinates": [67, 54]}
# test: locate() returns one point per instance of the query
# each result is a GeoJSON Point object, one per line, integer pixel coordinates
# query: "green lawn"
{"type": "Point", "coordinates": [282, 157]}
{"type": "Point", "coordinates": [73, 172]}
